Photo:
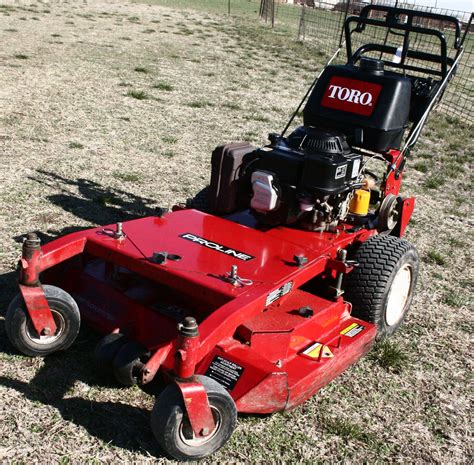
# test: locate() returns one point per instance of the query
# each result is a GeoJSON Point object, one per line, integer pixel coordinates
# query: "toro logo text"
{"type": "Point", "coordinates": [351, 95]}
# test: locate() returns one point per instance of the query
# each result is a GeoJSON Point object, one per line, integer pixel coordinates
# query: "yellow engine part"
{"type": "Point", "coordinates": [360, 202]}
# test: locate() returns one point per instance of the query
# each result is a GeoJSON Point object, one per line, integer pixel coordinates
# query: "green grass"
{"type": "Point", "coordinates": [389, 355]}
{"type": "Point", "coordinates": [257, 117]}
{"type": "Point", "coordinates": [169, 139]}
{"type": "Point", "coordinates": [75, 145]}
{"type": "Point", "coordinates": [200, 104]}
{"type": "Point", "coordinates": [421, 166]}
{"type": "Point", "coordinates": [141, 69]}
{"type": "Point", "coordinates": [452, 170]}
{"type": "Point", "coordinates": [456, 243]}
{"type": "Point", "coordinates": [455, 145]}
{"type": "Point", "coordinates": [107, 199]}
{"type": "Point", "coordinates": [162, 85]}
{"type": "Point", "coordinates": [128, 177]}
{"type": "Point", "coordinates": [434, 181]}
{"type": "Point", "coordinates": [232, 106]}
{"type": "Point", "coordinates": [347, 430]}
{"type": "Point", "coordinates": [434, 257]}
{"type": "Point", "coordinates": [138, 94]}
{"type": "Point", "coordinates": [455, 300]}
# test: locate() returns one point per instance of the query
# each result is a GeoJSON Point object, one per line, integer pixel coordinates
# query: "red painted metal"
{"type": "Point", "coordinates": [185, 357]}
{"type": "Point", "coordinates": [276, 339]}
{"type": "Point", "coordinates": [393, 179]}
{"type": "Point", "coordinates": [197, 407]}
{"type": "Point", "coordinates": [155, 362]}
{"type": "Point", "coordinates": [63, 249]}
{"type": "Point", "coordinates": [30, 264]}
{"type": "Point", "coordinates": [339, 266]}
{"type": "Point", "coordinates": [408, 206]}
{"type": "Point", "coordinates": [38, 309]}
{"type": "Point", "coordinates": [30, 287]}
{"type": "Point", "coordinates": [269, 395]}
{"type": "Point", "coordinates": [258, 327]}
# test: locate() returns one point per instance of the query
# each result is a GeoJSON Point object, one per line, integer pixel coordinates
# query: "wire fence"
{"type": "Point", "coordinates": [320, 24]}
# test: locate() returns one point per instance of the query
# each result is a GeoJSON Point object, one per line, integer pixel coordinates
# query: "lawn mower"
{"type": "Point", "coordinates": [275, 278]}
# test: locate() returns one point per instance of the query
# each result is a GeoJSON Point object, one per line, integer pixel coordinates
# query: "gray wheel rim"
{"type": "Point", "coordinates": [399, 295]}
{"type": "Point", "coordinates": [186, 434]}
{"type": "Point", "coordinates": [33, 336]}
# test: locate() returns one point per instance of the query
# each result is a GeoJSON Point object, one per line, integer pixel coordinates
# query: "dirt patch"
{"type": "Point", "coordinates": [109, 110]}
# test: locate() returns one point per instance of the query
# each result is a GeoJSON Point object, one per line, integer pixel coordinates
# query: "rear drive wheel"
{"type": "Point", "coordinates": [22, 334]}
{"type": "Point", "coordinates": [129, 362]}
{"type": "Point", "coordinates": [381, 288]}
{"type": "Point", "coordinates": [172, 428]}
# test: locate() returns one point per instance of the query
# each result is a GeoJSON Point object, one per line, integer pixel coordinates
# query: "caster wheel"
{"type": "Point", "coordinates": [22, 334]}
{"type": "Point", "coordinates": [106, 350]}
{"type": "Point", "coordinates": [173, 431]}
{"type": "Point", "coordinates": [128, 363]}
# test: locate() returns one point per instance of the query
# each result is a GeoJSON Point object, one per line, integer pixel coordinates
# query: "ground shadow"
{"type": "Point", "coordinates": [87, 200]}
{"type": "Point", "coordinates": [116, 423]}
{"type": "Point", "coordinates": [8, 288]}
{"type": "Point", "coordinates": [93, 202]}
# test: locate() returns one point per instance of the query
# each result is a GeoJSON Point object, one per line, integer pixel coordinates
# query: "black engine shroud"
{"type": "Point", "coordinates": [313, 161]}
{"type": "Point", "coordinates": [311, 173]}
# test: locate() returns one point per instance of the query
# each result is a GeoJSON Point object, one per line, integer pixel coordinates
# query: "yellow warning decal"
{"type": "Point", "coordinates": [314, 351]}
{"type": "Point", "coordinates": [352, 330]}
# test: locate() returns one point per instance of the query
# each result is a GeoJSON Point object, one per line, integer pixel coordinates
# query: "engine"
{"type": "Point", "coordinates": [314, 177]}
{"type": "Point", "coordinates": [308, 178]}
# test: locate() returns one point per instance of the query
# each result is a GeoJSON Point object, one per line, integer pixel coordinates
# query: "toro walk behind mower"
{"type": "Point", "coordinates": [284, 276]}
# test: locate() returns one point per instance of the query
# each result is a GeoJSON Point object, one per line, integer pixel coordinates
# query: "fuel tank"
{"type": "Point", "coordinates": [368, 104]}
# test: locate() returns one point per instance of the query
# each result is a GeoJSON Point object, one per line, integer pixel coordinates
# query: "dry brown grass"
{"type": "Point", "coordinates": [78, 149]}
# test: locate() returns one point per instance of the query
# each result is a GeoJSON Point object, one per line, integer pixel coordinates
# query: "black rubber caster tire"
{"type": "Point", "coordinates": [106, 350]}
{"type": "Point", "coordinates": [129, 362]}
{"type": "Point", "coordinates": [23, 336]}
{"type": "Point", "coordinates": [381, 288]}
{"type": "Point", "coordinates": [173, 431]}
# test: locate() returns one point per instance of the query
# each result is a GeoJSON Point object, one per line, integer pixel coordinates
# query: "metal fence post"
{"type": "Point", "coordinates": [302, 24]}
{"type": "Point", "coordinates": [273, 13]}
{"type": "Point", "coordinates": [343, 21]}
